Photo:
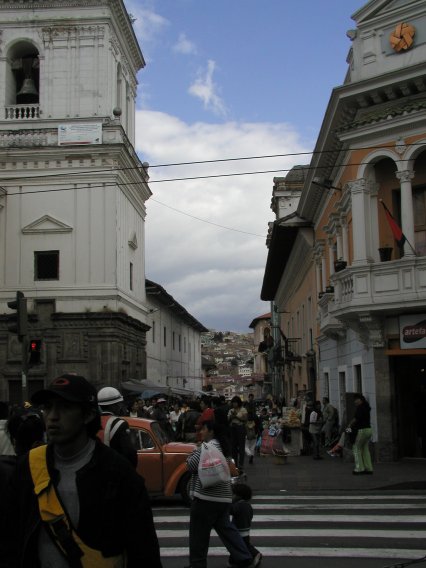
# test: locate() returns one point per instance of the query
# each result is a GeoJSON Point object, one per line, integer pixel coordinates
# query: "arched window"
{"type": "Point", "coordinates": [23, 77]}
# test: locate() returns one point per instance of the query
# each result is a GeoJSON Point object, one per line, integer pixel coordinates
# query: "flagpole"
{"type": "Point", "coordinates": [397, 227]}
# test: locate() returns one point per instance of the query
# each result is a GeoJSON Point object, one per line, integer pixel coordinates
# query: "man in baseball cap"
{"type": "Point", "coordinates": [70, 387]}
{"type": "Point", "coordinates": [66, 495]}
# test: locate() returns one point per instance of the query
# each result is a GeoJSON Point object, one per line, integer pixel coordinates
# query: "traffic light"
{"type": "Point", "coordinates": [34, 348]}
{"type": "Point", "coordinates": [19, 321]}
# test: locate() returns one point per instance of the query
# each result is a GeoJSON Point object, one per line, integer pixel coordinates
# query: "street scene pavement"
{"type": "Point", "coordinates": [302, 473]}
{"type": "Point", "coordinates": [309, 510]}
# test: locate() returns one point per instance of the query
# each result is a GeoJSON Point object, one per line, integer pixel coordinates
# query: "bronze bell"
{"type": "Point", "coordinates": [28, 93]}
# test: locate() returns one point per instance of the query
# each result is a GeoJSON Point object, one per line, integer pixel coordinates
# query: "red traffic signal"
{"type": "Point", "coordinates": [34, 347]}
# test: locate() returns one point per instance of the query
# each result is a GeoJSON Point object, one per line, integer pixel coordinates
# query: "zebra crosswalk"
{"type": "Point", "coordinates": [373, 525]}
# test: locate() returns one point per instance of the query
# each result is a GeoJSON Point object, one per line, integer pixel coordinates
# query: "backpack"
{"type": "Point", "coordinates": [110, 427]}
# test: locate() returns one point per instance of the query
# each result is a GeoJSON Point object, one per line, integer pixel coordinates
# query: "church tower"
{"type": "Point", "coordinates": [72, 191]}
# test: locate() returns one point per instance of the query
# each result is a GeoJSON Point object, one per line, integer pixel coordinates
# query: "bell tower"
{"type": "Point", "coordinates": [72, 191]}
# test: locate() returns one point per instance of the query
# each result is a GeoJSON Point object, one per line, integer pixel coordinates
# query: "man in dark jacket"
{"type": "Point", "coordinates": [103, 497]}
{"type": "Point", "coordinates": [116, 433]}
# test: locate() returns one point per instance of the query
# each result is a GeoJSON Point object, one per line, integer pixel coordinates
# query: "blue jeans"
{"type": "Point", "coordinates": [208, 515]}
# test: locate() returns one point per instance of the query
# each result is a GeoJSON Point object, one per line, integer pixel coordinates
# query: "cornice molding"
{"type": "Point", "coordinates": [117, 8]}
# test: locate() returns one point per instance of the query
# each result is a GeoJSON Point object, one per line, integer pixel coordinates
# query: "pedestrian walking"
{"type": "Point", "coordinates": [315, 426]}
{"type": "Point", "coordinates": [207, 413]}
{"type": "Point", "coordinates": [115, 430]}
{"type": "Point", "coordinates": [330, 425]}
{"type": "Point", "coordinates": [187, 422]}
{"type": "Point", "coordinates": [253, 431]}
{"type": "Point", "coordinates": [242, 516]}
{"type": "Point", "coordinates": [237, 417]}
{"type": "Point", "coordinates": [361, 422]}
{"type": "Point", "coordinates": [211, 508]}
{"type": "Point", "coordinates": [75, 502]}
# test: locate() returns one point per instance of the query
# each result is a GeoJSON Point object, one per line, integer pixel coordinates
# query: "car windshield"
{"type": "Point", "coordinates": [161, 436]}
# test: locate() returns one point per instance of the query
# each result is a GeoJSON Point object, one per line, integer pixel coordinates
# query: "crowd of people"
{"type": "Point", "coordinates": [69, 489]}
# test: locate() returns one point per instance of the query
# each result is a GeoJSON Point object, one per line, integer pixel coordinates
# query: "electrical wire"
{"type": "Point", "coordinates": [208, 222]}
{"type": "Point", "coordinates": [189, 178]}
{"type": "Point", "coordinates": [218, 160]}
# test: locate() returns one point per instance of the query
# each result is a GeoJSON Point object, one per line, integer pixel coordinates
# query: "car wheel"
{"type": "Point", "coordinates": [184, 486]}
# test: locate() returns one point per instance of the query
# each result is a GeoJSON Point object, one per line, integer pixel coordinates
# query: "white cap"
{"type": "Point", "coordinates": [109, 395]}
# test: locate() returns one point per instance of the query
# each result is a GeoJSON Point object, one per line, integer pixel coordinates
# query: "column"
{"type": "Point", "coordinates": [318, 275]}
{"type": "Point", "coordinates": [330, 256]}
{"type": "Point", "coordinates": [323, 274]}
{"type": "Point", "coordinates": [345, 240]}
{"type": "Point", "coordinates": [339, 243]}
{"type": "Point", "coordinates": [407, 211]}
{"type": "Point", "coordinates": [358, 189]}
{"type": "Point", "coordinates": [374, 219]}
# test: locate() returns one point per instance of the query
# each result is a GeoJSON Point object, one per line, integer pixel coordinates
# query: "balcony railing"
{"type": "Point", "coordinates": [380, 286]}
{"type": "Point", "coordinates": [22, 112]}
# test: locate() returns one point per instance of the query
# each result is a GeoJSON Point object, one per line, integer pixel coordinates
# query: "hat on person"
{"type": "Point", "coordinates": [70, 387]}
{"type": "Point", "coordinates": [161, 400]}
{"type": "Point", "coordinates": [109, 395]}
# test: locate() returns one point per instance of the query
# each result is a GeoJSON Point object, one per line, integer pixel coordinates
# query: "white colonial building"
{"type": "Point", "coordinates": [73, 191]}
{"type": "Point", "coordinates": [173, 343]}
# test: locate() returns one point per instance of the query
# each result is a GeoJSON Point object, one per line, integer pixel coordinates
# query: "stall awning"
{"type": "Point", "coordinates": [148, 389]}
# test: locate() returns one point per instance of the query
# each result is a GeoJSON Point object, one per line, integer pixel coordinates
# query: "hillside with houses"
{"type": "Point", "coordinates": [228, 361]}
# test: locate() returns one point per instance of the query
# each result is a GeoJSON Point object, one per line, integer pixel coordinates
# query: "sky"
{"type": "Point", "coordinates": [228, 79]}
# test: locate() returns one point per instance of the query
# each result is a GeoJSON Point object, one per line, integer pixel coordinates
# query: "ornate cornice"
{"type": "Point", "coordinates": [117, 9]}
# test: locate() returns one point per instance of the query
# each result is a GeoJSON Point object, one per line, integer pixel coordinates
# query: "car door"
{"type": "Point", "coordinates": [150, 458]}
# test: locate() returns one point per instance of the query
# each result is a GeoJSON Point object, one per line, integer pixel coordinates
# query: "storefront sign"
{"type": "Point", "coordinates": [412, 331]}
{"type": "Point", "coordinates": [80, 133]}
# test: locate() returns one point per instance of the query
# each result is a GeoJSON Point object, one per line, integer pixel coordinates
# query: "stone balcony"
{"type": "Point", "coordinates": [329, 325]}
{"type": "Point", "coordinates": [22, 112]}
{"type": "Point", "coordinates": [378, 288]}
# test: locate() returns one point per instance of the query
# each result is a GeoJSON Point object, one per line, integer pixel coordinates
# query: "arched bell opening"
{"type": "Point", "coordinates": [23, 75]}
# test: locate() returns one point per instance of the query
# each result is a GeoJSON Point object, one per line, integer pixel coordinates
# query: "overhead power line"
{"type": "Point", "coordinates": [206, 221]}
{"type": "Point", "coordinates": [199, 162]}
{"type": "Point", "coordinates": [189, 178]}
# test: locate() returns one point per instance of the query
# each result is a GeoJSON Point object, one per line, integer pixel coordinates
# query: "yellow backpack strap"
{"type": "Point", "coordinates": [51, 510]}
{"type": "Point", "coordinates": [78, 554]}
{"type": "Point", "coordinates": [48, 502]}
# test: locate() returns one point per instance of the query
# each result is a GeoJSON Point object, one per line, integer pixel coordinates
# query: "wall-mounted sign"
{"type": "Point", "coordinates": [412, 331]}
{"type": "Point", "coordinates": [80, 133]}
{"type": "Point", "coordinates": [402, 38]}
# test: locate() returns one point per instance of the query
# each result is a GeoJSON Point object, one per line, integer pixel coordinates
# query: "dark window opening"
{"type": "Point", "coordinates": [46, 265]}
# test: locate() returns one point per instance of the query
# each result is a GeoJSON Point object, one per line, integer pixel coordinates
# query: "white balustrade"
{"type": "Point", "coordinates": [22, 112]}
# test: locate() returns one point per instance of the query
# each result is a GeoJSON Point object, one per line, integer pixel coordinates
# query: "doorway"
{"type": "Point", "coordinates": [410, 390]}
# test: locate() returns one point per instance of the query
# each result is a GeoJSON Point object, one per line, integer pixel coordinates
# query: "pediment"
{"type": "Point", "coordinates": [46, 225]}
{"type": "Point", "coordinates": [380, 8]}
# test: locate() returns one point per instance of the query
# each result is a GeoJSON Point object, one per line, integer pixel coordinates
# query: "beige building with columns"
{"type": "Point", "coordinates": [369, 293]}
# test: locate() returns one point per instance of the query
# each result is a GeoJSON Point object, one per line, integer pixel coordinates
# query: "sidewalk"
{"type": "Point", "coordinates": [302, 473]}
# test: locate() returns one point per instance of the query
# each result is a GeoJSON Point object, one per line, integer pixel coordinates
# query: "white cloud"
{"type": "Point", "coordinates": [205, 89]}
{"type": "Point", "coordinates": [215, 273]}
{"type": "Point", "coordinates": [148, 24]}
{"type": "Point", "coordinates": [184, 45]}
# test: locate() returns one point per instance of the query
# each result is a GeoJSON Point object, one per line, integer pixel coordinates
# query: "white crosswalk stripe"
{"type": "Point", "coordinates": [374, 525]}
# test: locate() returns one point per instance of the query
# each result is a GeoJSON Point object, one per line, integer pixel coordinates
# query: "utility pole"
{"type": "Point", "coordinates": [19, 325]}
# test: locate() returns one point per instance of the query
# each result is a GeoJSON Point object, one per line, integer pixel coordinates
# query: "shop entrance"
{"type": "Point", "coordinates": [410, 390]}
